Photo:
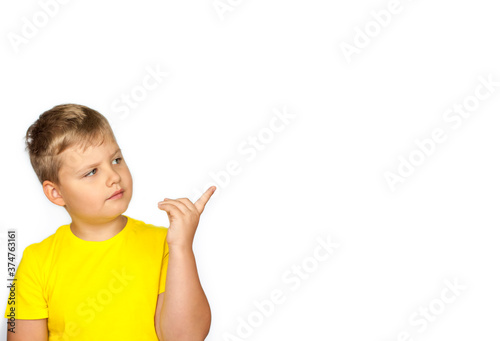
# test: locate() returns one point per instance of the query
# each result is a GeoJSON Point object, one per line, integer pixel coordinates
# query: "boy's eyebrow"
{"type": "Point", "coordinates": [97, 164]}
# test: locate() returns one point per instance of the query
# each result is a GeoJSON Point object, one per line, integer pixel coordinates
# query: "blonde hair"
{"type": "Point", "coordinates": [59, 128]}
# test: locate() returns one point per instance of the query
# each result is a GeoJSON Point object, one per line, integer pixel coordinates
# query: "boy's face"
{"type": "Point", "coordinates": [88, 180]}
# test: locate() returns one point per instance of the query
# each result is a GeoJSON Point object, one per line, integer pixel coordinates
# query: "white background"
{"type": "Point", "coordinates": [322, 176]}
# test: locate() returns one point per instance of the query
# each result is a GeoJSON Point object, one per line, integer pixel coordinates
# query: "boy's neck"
{"type": "Point", "coordinates": [98, 232]}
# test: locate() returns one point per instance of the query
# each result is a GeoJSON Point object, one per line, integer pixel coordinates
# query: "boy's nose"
{"type": "Point", "coordinates": [113, 177]}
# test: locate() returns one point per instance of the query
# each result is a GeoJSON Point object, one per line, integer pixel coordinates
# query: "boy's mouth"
{"type": "Point", "coordinates": [116, 195]}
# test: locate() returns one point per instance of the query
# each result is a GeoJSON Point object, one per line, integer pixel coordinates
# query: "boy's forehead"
{"type": "Point", "coordinates": [73, 158]}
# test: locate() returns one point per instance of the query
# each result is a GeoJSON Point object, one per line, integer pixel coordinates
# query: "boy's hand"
{"type": "Point", "coordinates": [184, 217]}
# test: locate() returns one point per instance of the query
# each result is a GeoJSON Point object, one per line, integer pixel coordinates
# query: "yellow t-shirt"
{"type": "Point", "coordinates": [90, 290]}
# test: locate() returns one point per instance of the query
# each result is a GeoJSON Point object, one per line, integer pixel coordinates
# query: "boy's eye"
{"type": "Point", "coordinates": [92, 172]}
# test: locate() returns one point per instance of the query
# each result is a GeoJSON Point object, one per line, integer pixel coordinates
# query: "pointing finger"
{"type": "Point", "coordinates": [202, 201]}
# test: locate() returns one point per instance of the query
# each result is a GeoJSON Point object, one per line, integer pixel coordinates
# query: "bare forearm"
{"type": "Point", "coordinates": [185, 313]}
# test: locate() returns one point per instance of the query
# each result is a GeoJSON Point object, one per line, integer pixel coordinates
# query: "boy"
{"type": "Point", "coordinates": [103, 276]}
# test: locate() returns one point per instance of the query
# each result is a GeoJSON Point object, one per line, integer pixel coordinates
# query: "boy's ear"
{"type": "Point", "coordinates": [53, 193]}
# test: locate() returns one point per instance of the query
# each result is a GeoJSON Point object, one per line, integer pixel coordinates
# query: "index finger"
{"type": "Point", "coordinates": [202, 201]}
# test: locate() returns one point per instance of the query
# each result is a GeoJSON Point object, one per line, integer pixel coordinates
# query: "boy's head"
{"type": "Point", "coordinates": [73, 151]}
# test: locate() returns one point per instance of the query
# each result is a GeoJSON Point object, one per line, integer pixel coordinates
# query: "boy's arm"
{"type": "Point", "coordinates": [184, 312]}
{"type": "Point", "coordinates": [33, 330]}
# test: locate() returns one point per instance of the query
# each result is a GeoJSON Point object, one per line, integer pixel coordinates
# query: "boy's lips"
{"type": "Point", "coordinates": [116, 195]}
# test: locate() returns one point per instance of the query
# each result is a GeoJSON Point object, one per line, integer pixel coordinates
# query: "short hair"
{"type": "Point", "coordinates": [62, 127]}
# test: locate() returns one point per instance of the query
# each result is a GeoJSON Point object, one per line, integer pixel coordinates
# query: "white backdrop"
{"type": "Point", "coordinates": [354, 146]}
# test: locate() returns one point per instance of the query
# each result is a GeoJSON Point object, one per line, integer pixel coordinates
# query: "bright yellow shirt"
{"type": "Point", "coordinates": [90, 290]}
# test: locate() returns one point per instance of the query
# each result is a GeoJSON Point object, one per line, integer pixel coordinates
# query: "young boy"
{"type": "Point", "coordinates": [103, 276]}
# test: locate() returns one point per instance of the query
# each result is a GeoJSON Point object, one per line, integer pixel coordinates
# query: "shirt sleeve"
{"type": "Point", "coordinates": [164, 266]}
{"type": "Point", "coordinates": [27, 294]}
